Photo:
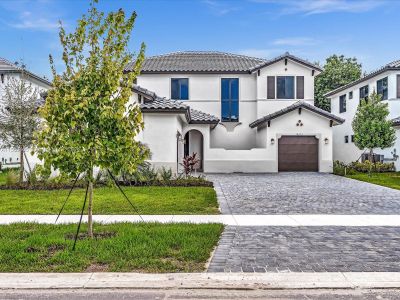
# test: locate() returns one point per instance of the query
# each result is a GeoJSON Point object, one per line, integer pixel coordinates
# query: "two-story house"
{"type": "Point", "coordinates": [345, 100]}
{"type": "Point", "coordinates": [9, 157]}
{"type": "Point", "coordinates": [238, 113]}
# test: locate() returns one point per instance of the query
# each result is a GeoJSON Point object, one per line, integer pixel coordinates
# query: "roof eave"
{"type": "Point", "coordinates": [268, 63]}
{"type": "Point", "coordinates": [256, 123]}
{"type": "Point", "coordinates": [358, 81]}
{"type": "Point", "coordinates": [195, 72]}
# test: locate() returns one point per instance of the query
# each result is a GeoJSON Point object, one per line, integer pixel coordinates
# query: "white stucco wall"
{"type": "Point", "coordinates": [348, 152]}
{"type": "Point", "coordinates": [159, 135]}
{"type": "Point", "coordinates": [205, 95]}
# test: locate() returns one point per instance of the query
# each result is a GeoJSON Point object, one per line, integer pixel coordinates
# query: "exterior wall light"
{"type": "Point", "coordinates": [326, 141]}
{"type": "Point", "coordinates": [272, 141]}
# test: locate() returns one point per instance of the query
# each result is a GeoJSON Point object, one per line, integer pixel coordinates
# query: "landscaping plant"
{"type": "Point", "coordinates": [371, 127]}
{"type": "Point", "coordinates": [87, 119]}
{"type": "Point", "coordinates": [18, 116]}
{"type": "Point", "coordinates": [189, 162]}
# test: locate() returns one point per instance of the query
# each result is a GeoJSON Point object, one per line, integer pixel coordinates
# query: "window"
{"type": "Point", "coordinates": [230, 99]}
{"type": "Point", "coordinates": [179, 88]}
{"type": "Point", "coordinates": [364, 93]}
{"type": "Point", "coordinates": [342, 103]}
{"type": "Point", "coordinates": [352, 138]}
{"type": "Point", "coordinates": [346, 139]}
{"type": "Point", "coordinates": [285, 87]}
{"type": "Point", "coordinates": [351, 95]}
{"type": "Point", "coordinates": [398, 87]}
{"type": "Point", "coordinates": [382, 88]}
{"type": "Point", "coordinates": [2, 78]}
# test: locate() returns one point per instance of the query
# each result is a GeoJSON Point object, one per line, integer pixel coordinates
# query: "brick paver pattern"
{"type": "Point", "coordinates": [308, 249]}
{"type": "Point", "coordinates": [302, 193]}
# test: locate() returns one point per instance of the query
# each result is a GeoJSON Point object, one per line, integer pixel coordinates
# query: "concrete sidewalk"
{"type": "Point", "coordinates": [199, 280]}
{"type": "Point", "coordinates": [233, 220]}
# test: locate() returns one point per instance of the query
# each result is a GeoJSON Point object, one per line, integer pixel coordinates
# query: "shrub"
{"type": "Point", "coordinates": [165, 174]}
{"type": "Point", "coordinates": [12, 177]}
{"type": "Point", "coordinates": [189, 162]}
{"type": "Point", "coordinates": [367, 166]}
{"type": "Point", "coordinates": [340, 168]}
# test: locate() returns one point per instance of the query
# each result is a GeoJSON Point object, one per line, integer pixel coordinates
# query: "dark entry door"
{"type": "Point", "coordinates": [298, 153]}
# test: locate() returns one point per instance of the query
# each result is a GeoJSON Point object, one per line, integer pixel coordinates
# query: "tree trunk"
{"type": "Point", "coordinates": [90, 205]}
{"type": "Point", "coordinates": [371, 159]}
{"type": "Point", "coordinates": [90, 210]}
{"type": "Point", "coordinates": [21, 165]}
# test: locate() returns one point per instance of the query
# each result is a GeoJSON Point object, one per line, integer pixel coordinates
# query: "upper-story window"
{"type": "Point", "coordinates": [285, 87]}
{"type": "Point", "coordinates": [180, 88]}
{"type": "Point", "coordinates": [364, 93]}
{"type": "Point", "coordinates": [382, 88]}
{"type": "Point", "coordinates": [230, 99]}
{"type": "Point", "coordinates": [2, 78]}
{"type": "Point", "coordinates": [342, 103]}
{"type": "Point", "coordinates": [351, 95]}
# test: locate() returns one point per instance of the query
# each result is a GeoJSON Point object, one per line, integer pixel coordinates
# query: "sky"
{"type": "Point", "coordinates": [310, 29]}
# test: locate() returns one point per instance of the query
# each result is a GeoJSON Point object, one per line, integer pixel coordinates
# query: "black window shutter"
{"type": "Point", "coordinates": [398, 86]}
{"type": "Point", "coordinates": [300, 87]}
{"type": "Point", "coordinates": [271, 87]}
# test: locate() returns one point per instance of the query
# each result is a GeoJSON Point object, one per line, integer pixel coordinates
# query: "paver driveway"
{"type": "Point", "coordinates": [305, 249]}
{"type": "Point", "coordinates": [302, 193]}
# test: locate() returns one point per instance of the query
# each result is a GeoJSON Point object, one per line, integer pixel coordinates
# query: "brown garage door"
{"type": "Point", "coordinates": [298, 153]}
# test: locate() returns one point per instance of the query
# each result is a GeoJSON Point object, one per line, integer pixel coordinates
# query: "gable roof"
{"type": "Point", "coordinates": [209, 62]}
{"type": "Point", "coordinates": [298, 104]}
{"type": "Point", "coordinates": [8, 67]}
{"type": "Point", "coordinates": [394, 65]}
{"type": "Point", "coordinates": [287, 55]}
{"type": "Point", "coordinates": [164, 105]}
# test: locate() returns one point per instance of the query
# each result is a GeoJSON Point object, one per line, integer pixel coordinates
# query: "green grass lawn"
{"type": "Point", "coordinates": [390, 179]}
{"type": "Point", "coordinates": [109, 200]}
{"type": "Point", "coordinates": [151, 247]}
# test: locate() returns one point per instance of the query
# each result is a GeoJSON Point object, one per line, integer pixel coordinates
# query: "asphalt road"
{"type": "Point", "coordinates": [107, 294]}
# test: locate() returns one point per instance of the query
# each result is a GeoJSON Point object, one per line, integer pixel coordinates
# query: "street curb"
{"type": "Point", "coordinates": [249, 281]}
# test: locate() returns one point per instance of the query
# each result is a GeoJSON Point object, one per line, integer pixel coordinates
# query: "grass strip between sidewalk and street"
{"type": "Point", "coordinates": [109, 200]}
{"type": "Point", "coordinates": [120, 247]}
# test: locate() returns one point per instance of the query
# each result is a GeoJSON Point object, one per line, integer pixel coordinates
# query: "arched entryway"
{"type": "Point", "coordinates": [194, 144]}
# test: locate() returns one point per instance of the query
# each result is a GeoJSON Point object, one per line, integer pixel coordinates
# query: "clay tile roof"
{"type": "Point", "coordinates": [154, 103]}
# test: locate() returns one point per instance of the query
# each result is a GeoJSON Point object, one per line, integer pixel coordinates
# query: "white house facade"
{"type": "Point", "coordinates": [238, 113]}
{"type": "Point", "coordinates": [10, 158]}
{"type": "Point", "coordinates": [344, 103]}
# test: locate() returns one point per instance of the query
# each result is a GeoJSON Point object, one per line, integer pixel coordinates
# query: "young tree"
{"type": "Point", "coordinates": [338, 71]}
{"type": "Point", "coordinates": [88, 121]}
{"type": "Point", "coordinates": [371, 127]}
{"type": "Point", "coordinates": [18, 116]}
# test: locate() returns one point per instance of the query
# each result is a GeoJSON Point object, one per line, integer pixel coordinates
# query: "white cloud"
{"type": "Point", "coordinates": [220, 8]}
{"type": "Point", "coordinates": [312, 7]}
{"type": "Point", "coordinates": [295, 41]}
{"type": "Point", "coordinates": [35, 24]}
{"type": "Point", "coordinates": [39, 17]}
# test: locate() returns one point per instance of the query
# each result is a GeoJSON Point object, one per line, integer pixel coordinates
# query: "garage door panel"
{"type": "Point", "coordinates": [298, 153]}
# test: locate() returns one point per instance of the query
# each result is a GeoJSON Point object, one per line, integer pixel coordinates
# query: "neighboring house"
{"type": "Point", "coordinates": [345, 100]}
{"type": "Point", "coordinates": [238, 113]}
{"type": "Point", "coordinates": [10, 158]}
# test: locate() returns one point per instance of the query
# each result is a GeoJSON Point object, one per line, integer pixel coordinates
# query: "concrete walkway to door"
{"type": "Point", "coordinates": [302, 193]}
